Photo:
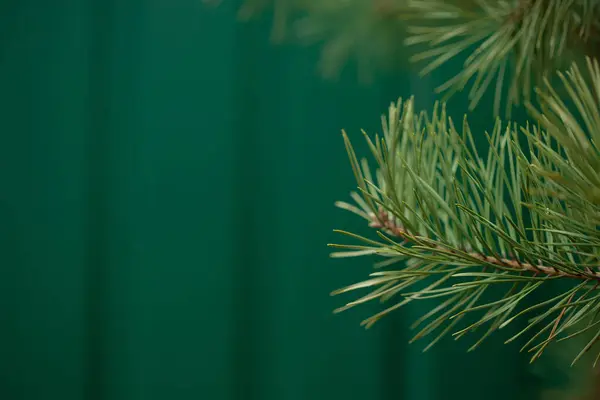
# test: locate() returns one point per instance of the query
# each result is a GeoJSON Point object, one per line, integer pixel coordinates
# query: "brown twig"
{"type": "Point", "coordinates": [389, 226]}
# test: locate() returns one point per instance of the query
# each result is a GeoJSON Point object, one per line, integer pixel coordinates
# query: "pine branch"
{"type": "Point", "coordinates": [462, 222]}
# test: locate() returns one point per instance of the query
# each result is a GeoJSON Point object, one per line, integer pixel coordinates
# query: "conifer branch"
{"type": "Point", "coordinates": [461, 222]}
{"type": "Point", "coordinates": [509, 46]}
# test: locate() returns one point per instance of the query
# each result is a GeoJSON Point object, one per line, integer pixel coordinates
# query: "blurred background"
{"type": "Point", "coordinates": [167, 183]}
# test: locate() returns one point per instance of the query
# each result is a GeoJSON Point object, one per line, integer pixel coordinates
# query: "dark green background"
{"type": "Point", "coordinates": [167, 180]}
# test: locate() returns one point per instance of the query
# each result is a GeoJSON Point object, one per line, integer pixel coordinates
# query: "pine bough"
{"type": "Point", "coordinates": [523, 215]}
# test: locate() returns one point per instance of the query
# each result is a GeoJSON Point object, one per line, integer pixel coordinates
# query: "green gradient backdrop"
{"type": "Point", "coordinates": [167, 187]}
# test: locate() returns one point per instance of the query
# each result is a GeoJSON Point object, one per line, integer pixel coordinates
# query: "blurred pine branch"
{"type": "Point", "coordinates": [509, 45]}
